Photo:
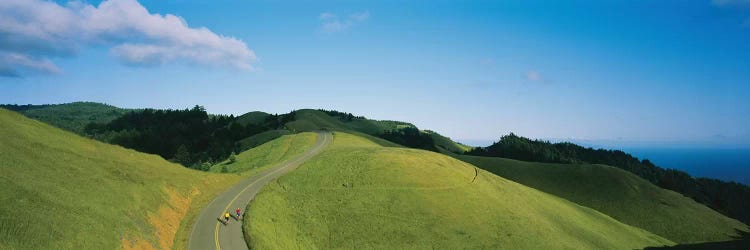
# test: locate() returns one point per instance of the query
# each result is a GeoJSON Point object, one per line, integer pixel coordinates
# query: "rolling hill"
{"type": "Point", "coordinates": [447, 146]}
{"type": "Point", "coordinates": [76, 116]}
{"type": "Point", "coordinates": [254, 117]}
{"type": "Point", "coordinates": [621, 195]}
{"type": "Point", "coordinates": [70, 116]}
{"type": "Point", "coordinates": [374, 130]}
{"type": "Point", "coordinates": [616, 193]}
{"type": "Point", "coordinates": [62, 191]}
{"type": "Point", "coordinates": [277, 150]}
{"type": "Point", "coordinates": [260, 138]}
{"type": "Point", "coordinates": [726, 197]}
{"type": "Point", "coordinates": [358, 193]}
{"type": "Point", "coordinates": [310, 120]}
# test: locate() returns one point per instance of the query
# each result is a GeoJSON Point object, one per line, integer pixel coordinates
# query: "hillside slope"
{"type": "Point", "coordinates": [261, 127]}
{"type": "Point", "coordinates": [620, 194]}
{"type": "Point", "coordinates": [445, 145]}
{"type": "Point", "coordinates": [277, 150]}
{"type": "Point", "coordinates": [358, 193]}
{"type": "Point", "coordinates": [729, 198]}
{"type": "Point", "coordinates": [310, 120]}
{"type": "Point", "coordinates": [385, 132]}
{"type": "Point", "coordinates": [62, 191]}
{"type": "Point", "coordinates": [71, 116]}
{"type": "Point", "coordinates": [253, 117]}
{"type": "Point", "coordinates": [260, 138]}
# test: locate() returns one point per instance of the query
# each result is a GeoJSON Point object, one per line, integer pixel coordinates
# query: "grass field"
{"type": "Point", "coordinates": [260, 138]}
{"type": "Point", "coordinates": [446, 145]}
{"type": "Point", "coordinates": [621, 195]}
{"type": "Point", "coordinates": [310, 120]}
{"type": "Point", "coordinates": [276, 151]}
{"type": "Point", "coordinates": [76, 115]}
{"type": "Point", "coordinates": [62, 191]}
{"type": "Point", "coordinates": [360, 194]}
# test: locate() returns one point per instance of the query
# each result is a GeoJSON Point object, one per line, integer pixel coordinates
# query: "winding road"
{"type": "Point", "coordinates": [209, 233]}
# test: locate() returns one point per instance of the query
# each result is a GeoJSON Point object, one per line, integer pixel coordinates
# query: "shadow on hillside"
{"type": "Point", "coordinates": [741, 242]}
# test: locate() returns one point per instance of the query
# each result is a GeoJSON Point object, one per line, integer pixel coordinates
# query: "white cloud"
{"type": "Point", "coordinates": [42, 30]}
{"type": "Point", "coordinates": [331, 23]}
{"type": "Point", "coordinates": [533, 75]}
{"type": "Point", "coordinates": [37, 27]}
{"type": "Point", "coordinates": [14, 65]}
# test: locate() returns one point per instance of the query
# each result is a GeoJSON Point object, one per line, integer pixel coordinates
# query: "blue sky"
{"type": "Point", "coordinates": [614, 73]}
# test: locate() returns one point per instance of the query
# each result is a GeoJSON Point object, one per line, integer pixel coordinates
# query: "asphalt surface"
{"type": "Point", "coordinates": [209, 233]}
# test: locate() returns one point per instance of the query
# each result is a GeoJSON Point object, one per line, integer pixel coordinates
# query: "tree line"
{"type": "Point", "coordinates": [190, 137]}
{"type": "Point", "coordinates": [346, 117]}
{"type": "Point", "coordinates": [196, 139]}
{"type": "Point", "coordinates": [729, 198]}
{"type": "Point", "coordinates": [22, 108]}
{"type": "Point", "coordinates": [409, 137]}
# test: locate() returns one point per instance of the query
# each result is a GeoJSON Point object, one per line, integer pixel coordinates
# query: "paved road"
{"type": "Point", "coordinates": [209, 233]}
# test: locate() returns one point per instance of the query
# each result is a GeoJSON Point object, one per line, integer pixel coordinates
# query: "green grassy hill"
{"type": "Point", "coordinates": [62, 191]}
{"type": "Point", "coordinates": [254, 117]}
{"type": "Point", "coordinates": [73, 116]}
{"type": "Point", "coordinates": [620, 194]}
{"type": "Point", "coordinates": [310, 120]}
{"type": "Point", "coordinates": [90, 195]}
{"type": "Point", "coordinates": [358, 193]}
{"type": "Point", "coordinates": [279, 150]}
{"type": "Point", "coordinates": [260, 138]}
{"type": "Point", "coordinates": [446, 145]}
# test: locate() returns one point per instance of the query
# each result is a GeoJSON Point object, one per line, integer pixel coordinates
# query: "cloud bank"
{"type": "Point", "coordinates": [332, 23]}
{"type": "Point", "coordinates": [34, 31]}
{"type": "Point", "coordinates": [16, 65]}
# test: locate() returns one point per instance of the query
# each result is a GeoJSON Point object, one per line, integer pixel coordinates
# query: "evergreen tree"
{"type": "Point", "coordinates": [182, 156]}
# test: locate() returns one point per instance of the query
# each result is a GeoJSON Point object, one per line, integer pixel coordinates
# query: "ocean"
{"type": "Point", "coordinates": [719, 163]}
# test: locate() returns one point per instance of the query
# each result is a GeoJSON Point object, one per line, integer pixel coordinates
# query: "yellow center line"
{"type": "Point", "coordinates": [216, 236]}
{"type": "Point", "coordinates": [216, 232]}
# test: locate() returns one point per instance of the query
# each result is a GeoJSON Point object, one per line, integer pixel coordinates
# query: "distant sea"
{"type": "Point", "coordinates": [719, 163]}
